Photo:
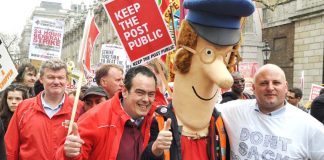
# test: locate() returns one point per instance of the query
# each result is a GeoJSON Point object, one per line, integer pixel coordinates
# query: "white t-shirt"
{"type": "Point", "coordinates": [287, 134]}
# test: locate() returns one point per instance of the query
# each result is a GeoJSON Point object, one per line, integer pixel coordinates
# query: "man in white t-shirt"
{"type": "Point", "coordinates": [268, 127]}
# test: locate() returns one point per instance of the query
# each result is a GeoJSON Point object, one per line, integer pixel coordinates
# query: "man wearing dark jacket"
{"type": "Point", "coordinates": [317, 107]}
{"type": "Point", "coordinates": [237, 89]}
{"type": "Point", "coordinates": [2, 147]}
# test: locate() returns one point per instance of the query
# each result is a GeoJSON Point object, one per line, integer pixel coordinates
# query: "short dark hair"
{"type": "Point", "coordinates": [298, 92]}
{"type": "Point", "coordinates": [132, 72]}
{"type": "Point", "coordinates": [103, 71]}
{"type": "Point", "coordinates": [22, 70]}
{"type": "Point", "coordinates": [38, 87]}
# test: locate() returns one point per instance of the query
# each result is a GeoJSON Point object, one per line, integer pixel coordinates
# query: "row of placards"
{"type": "Point", "coordinates": [144, 36]}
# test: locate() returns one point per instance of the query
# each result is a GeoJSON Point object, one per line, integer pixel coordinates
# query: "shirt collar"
{"type": "Point", "coordinates": [47, 106]}
{"type": "Point", "coordinates": [273, 113]}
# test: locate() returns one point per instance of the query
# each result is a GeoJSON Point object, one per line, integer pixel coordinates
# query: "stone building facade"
{"type": "Point", "coordinates": [74, 23]}
{"type": "Point", "coordinates": [295, 30]}
{"type": "Point", "coordinates": [74, 30]}
{"type": "Point", "coordinates": [250, 50]}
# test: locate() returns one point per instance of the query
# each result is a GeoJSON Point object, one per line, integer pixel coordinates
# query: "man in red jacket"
{"type": "Point", "coordinates": [112, 130]}
{"type": "Point", "coordinates": [35, 130]}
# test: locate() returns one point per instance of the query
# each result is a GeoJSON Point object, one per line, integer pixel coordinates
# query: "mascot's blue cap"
{"type": "Point", "coordinates": [218, 21]}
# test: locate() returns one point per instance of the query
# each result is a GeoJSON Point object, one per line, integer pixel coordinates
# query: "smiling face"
{"type": "Point", "coordinates": [54, 81]}
{"type": "Point", "coordinates": [270, 88]}
{"type": "Point", "coordinates": [139, 98]}
{"type": "Point", "coordinates": [209, 66]}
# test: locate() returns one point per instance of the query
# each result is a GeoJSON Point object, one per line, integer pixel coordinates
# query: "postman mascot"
{"type": "Point", "coordinates": [190, 128]}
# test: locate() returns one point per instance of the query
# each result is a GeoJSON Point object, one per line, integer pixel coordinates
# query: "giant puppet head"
{"type": "Point", "coordinates": [206, 48]}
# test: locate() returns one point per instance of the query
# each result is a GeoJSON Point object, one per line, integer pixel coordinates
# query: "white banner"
{"type": "Point", "coordinates": [114, 54]}
{"type": "Point", "coordinates": [8, 70]}
{"type": "Point", "coordinates": [46, 39]}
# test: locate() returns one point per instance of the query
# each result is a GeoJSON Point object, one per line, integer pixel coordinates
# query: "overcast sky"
{"type": "Point", "coordinates": [14, 13]}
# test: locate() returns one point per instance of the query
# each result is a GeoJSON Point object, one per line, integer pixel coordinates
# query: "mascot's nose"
{"type": "Point", "coordinates": [219, 74]}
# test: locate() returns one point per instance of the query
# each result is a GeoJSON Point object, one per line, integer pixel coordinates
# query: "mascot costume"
{"type": "Point", "coordinates": [206, 50]}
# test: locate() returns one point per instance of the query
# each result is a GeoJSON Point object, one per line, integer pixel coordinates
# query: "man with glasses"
{"type": "Point", "coordinates": [237, 89]}
{"type": "Point", "coordinates": [113, 129]}
{"type": "Point", "coordinates": [294, 95]}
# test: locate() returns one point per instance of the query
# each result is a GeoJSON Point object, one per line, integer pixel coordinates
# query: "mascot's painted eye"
{"type": "Point", "coordinates": [208, 56]}
{"type": "Point", "coordinates": [209, 52]}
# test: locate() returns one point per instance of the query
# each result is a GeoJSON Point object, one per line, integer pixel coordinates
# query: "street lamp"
{"type": "Point", "coordinates": [266, 51]}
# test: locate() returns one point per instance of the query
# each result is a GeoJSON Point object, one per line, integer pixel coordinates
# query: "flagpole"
{"type": "Point", "coordinates": [172, 21]}
{"type": "Point", "coordinates": [80, 64]}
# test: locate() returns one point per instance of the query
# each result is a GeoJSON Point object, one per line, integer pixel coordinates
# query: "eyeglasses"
{"type": "Point", "coordinates": [208, 56]}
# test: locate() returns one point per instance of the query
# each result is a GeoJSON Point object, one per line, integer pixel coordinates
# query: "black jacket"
{"type": "Point", "coordinates": [229, 96]}
{"type": "Point", "coordinates": [2, 146]}
{"type": "Point", "coordinates": [317, 108]}
{"type": "Point", "coordinates": [175, 150]}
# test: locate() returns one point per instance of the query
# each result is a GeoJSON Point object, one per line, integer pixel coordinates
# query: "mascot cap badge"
{"type": "Point", "coordinates": [218, 21]}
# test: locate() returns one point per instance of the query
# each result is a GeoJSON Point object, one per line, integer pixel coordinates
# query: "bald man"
{"type": "Point", "coordinates": [268, 127]}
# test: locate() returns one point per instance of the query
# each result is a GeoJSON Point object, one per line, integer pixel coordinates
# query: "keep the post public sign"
{"type": "Point", "coordinates": [141, 29]}
{"type": "Point", "coordinates": [8, 70]}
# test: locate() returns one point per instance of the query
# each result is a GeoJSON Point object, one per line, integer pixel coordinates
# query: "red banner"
{"type": "Point", "coordinates": [141, 29]}
{"type": "Point", "coordinates": [92, 36]}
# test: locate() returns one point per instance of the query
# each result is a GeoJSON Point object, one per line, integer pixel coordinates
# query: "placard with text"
{"type": "Point", "coordinates": [46, 39]}
{"type": "Point", "coordinates": [8, 70]}
{"type": "Point", "coordinates": [140, 28]}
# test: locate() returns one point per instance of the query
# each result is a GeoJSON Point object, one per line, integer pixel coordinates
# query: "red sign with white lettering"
{"type": "Point", "coordinates": [140, 28]}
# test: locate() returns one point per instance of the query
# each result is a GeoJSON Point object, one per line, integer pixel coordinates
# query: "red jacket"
{"type": "Point", "coordinates": [32, 134]}
{"type": "Point", "coordinates": [102, 128]}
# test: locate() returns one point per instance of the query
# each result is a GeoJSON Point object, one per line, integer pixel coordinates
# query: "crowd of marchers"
{"type": "Point", "coordinates": [34, 107]}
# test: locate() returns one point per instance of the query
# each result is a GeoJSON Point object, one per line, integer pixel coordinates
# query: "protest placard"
{"type": "Point", "coordinates": [315, 89]}
{"type": "Point", "coordinates": [8, 70]}
{"type": "Point", "coordinates": [46, 38]}
{"type": "Point", "coordinates": [114, 54]}
{"type": "Point", "coordinates": [144, 35]}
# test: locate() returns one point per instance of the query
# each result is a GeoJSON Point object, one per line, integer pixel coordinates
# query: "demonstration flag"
{"type": "Point", "coordinates": [302, 78]}
{"type": "Point", "coordinates": [90, 34]}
